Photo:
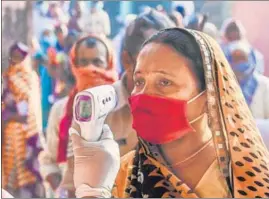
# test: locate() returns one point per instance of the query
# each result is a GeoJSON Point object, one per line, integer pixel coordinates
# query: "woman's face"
{"type": "Point", "coordinates": [161, 71]}
{"type": "Point", "coordinates": [95, 56]}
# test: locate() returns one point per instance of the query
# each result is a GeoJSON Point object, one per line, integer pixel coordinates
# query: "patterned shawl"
{"type": "Point", "coordinates": [21, 144]}
{"type": "Point", "coordinates": [241, 153]}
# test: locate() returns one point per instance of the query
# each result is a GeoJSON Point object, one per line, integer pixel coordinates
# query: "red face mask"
{"type": "Point", "coordinates": [160, 120]}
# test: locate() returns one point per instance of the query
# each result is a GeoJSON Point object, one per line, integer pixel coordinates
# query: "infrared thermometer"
{"type": "Point", "coordinates": [90, 109]}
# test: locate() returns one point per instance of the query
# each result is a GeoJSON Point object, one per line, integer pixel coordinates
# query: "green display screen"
{"type": "Point", "coordinates": [85, 109]}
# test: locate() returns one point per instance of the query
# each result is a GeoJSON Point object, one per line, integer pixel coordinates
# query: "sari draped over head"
{"type": "Point", "coordinates": [85, 78]}
{"type": "Point", "coordinates": [242, 157]}
{"type": "Point", "coordinates": [21, 142]}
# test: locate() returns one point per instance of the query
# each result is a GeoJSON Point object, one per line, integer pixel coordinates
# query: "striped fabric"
{"type": "Point", "coordinates": [21, 143]}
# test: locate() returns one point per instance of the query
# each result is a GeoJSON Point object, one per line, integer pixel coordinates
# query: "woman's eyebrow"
{"type": "Point", "coordinates": [165, 73]}
{"type": "Point", "coordinates": [157, 71]}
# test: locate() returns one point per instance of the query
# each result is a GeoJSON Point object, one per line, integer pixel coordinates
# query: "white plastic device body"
{"type": "Point", "coordinates": [90, 108]}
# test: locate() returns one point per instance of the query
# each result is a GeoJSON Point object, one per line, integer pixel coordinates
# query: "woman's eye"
{"type": "Point", "coordinates": [139, 82]}
{"type": "Point", "coordinates": [165, 83]}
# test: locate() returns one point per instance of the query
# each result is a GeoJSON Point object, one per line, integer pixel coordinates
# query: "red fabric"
{"type": "Point", "coordinates": [86, 77]}
{"type": "Point", "coordinates": [64, 127]}
{"type": "Point", "coordinates": [159, 120]}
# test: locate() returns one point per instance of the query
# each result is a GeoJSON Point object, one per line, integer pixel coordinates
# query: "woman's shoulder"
{"type": "Point", "coordinates": [122, 178]}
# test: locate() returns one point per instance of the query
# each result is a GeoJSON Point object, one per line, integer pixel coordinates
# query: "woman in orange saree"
{"type": "Point", "coordinates": [21, 114]}
{"type": "Point", "coordinates": [237, 164]}
{"type": "Point", "coordinates": [197, 136]}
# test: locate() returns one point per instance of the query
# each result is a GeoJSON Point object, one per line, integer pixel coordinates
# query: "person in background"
{"type": "Point", "coordinates": [39, 62]}
{"type": "Point", "coordinates": [73, 21]}
{"type": "Point", "coordinates": [197, 22]}
{"type": "Point", "coordinates": [119, 38]}
{"type": "Point", "coordinates": [211, 30]}
{"type": "Point", "coordinates": [75, 13]}
{"type": "Point", "coordinates": [136, 33]}
{"type": "Point", "coordinates": [255, 87]}
{"type": "Point", "coordinates": [92, 64]}
{"type": "Point", "coordinates": [47, 38]}
{"type": "Point", "coordinates": [197, 136]}
{"type": "Point", "coordinates": [57, 59]}
{"type": "Point", "coordinates": [177, 18]}
{"type": "Point", "coordinates": [21, 118]}
{"type": "Point", "coordinates": [42, 61]}
{"type": "Point", "coordinates": [96, 20]}
{"type": "Point", "coordinates": [185, 8]}
{"type": "Point", "coordinates": [233, 30]}
{"type": "Point", "coordinates": [34, 46]}
{"type": "Point", "coordinates": [60, 32]}
{"type": "Point", "coordinates": [70, 39]}
{"type": "Point", "coordinates": [39, 17]}
{"type": "Point", "coordinates": [39, 58]}
{"type": "Point", "coordinates": [55, 12]}
{"type": "Point", "coordinates": [56, 52]}
{"type": "Point", "coordinates": [181, 10]}
{"type": "Point", "coordinates": [52, 10]}
{"type": "Point", "coordinates": [47, 81]}
{"type": "Point", "coordinates": [50, 170]}
{"type": "Point", "coordinates": [52, 83]}
{"type": "Point", "coordinates": [161, 9]}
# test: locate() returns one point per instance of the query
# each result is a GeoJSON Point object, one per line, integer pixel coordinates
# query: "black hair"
{"type": "Point", "coordinates": [18, 46]}
{"type": "Point", "coordinates": [58, 29]}
{"type": "Point", "coordinates": [181, 10]}
{"type": "Point", "coordinates": [134, 35]}
{"type": "Point", "coordinates": [233, 26]}
{"type": "Point", "coordinates": [89, 42]}
{"type": "Point", "coordinates": [185, 44]}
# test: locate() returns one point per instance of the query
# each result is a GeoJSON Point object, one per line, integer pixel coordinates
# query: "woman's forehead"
{"type": "Point", "coordinates": [154, 49]}
{"type": "Point", "coordinates": [161, 56]}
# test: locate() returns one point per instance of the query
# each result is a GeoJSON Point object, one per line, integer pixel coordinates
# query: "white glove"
{"type": "Point", "coordinates": [96, 164]}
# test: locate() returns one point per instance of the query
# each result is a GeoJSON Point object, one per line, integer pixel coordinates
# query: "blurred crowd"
{"type": "Point", "coordinates": [72, 50]}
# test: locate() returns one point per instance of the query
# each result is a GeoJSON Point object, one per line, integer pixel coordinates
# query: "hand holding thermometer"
{"type": "Point", "coordinates": [90, 109]}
